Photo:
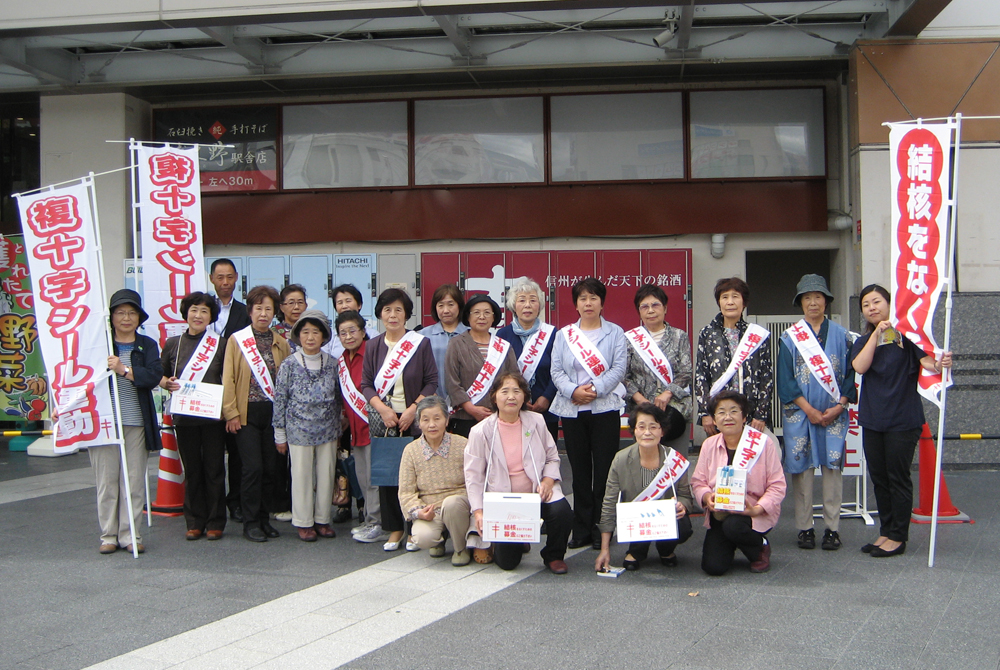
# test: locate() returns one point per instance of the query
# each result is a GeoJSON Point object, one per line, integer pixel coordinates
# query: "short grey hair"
{"type": "Point", "coordinates": [525, 285]}
{"type": "Point", "coordinates": [431, 402]}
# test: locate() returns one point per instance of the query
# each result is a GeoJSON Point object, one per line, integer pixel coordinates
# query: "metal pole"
{"type": "Point", "coordinates": [945, 373]}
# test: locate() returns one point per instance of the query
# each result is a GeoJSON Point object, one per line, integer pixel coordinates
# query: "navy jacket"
{"type": "Point", "coordinates": [148, 371]}
{"type": "Point", "coordinates": [543, 385]}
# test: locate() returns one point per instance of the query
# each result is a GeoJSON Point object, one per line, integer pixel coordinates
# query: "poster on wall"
{"type": "Point", "coordinates": [23, 385]}
{"type": "Point", "coordinates": [250, 164]}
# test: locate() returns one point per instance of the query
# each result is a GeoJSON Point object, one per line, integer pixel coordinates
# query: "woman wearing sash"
{"type": "Point", "coordinates": [588, 365]}
{"type": "Point", "coordinates": [253, 356]}
{"type": "Point", "coordinates": [447, 305]}
{"type": "Point", "coordinates": [638, 474]}
{"type": "Point", "coordinates": [351, 329]}
{"type": "Point", "coordinates": [751, 450]}
{"type": "Point", "coordinates": [398, 372]}
{"type": "Point", "coordinates": [892, 415]}
{"type": "Point", "coordinates": [659, 365]}
{"type": "Point", "coordinates": [307, 424]}
{"type": "Point", "coordinates": [815, 385]}
{"type": "Point", "coordinates": [512, 451]}
{"type": "Point", "coordinates": [531, 339]}
{"type": "Point", "coordinates": [727, 336]}
{"type": "Point", "coordinates": [475, 359]}
{"type": "Point", "coordinates": [197, 356]}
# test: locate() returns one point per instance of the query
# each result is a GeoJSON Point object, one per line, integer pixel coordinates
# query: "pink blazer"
{"type": "Point", "coordinates": [540, 454]}
{"type": "Point", "coordinates": [765, 482]}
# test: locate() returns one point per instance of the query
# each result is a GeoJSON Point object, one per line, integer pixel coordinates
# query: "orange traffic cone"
{"type": "Point", "coordinates": [170, 480]}
{"type": "Point", "coordinates": [947, 512]}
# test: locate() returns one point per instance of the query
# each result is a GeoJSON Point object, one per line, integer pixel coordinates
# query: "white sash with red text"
{"type": "Point", "coordinates": [588, 355]}
{"type": "Point", "coordinates": [749, 449]}
{"type": "Point", "coordinates": [531, 355]}
{"type": "Point", "coordinates": [355, 400]}
{"type": "Point", "coordinates": [394, 363]}
{"type": "Point", "coordinates": [642, 341]}
{"type": "Point", "coordinates": [495, 354]}
{"type": "Point", "coordinates": [202, 357]}
{"type": "Point", "coordinates": [749, 343]}
{"type": "Point", "coordinates": [815, 358]}
{"type": "Point", "coordinates": [674, 465]}
{"type": "Point", "coordinates": [248, 345]}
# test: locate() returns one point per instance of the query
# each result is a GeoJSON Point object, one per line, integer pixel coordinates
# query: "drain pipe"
{"type": "Point", "coordinates": [719, 245]}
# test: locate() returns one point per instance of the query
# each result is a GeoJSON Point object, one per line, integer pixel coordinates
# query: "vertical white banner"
{"type": "Point", "coordinates": [173, 256]}
{"type": "Point", "coordinates": [921, 185]}
{"type": "Point", "coordinates": [71, 308]}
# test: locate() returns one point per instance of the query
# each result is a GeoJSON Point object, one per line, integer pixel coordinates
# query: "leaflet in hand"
{"type": "Point", "coordinates": [730, 489]}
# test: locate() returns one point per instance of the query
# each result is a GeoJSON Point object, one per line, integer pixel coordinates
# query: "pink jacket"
{"type": "Point", "coordinates": [765, 482]}
{"type": "Point", "coordinates": [540, 454]}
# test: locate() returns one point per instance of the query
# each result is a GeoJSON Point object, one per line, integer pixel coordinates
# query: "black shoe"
{"type": "Point", "coordinates": [867, 549]}
{"type": "Point", "coordinates": [807, 539]}
{"type": "Point", "coordinates": [831, 540]}
{"type": "Point", "coordinates": [669, 561]}
{"type": "Point", "coordinates": [236, 514]}
{"type": "Point", "coordinates": [879, 552]}
{"type": "Point", "coordinates": [576, 543]}
{"type": "Point", "coordinates": [342, 515]}
{"type": "Point", "coordinates": [268, 529]}
{"type": "Point", "coordinates": [252, 532]}
{"type": "Point", "coordinates": [596, 545]}
{"type": "Point", "coordinates": [631, 566]}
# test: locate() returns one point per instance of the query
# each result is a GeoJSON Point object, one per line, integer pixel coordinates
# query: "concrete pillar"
{"type": "Point", "coordinates": [73, 133]}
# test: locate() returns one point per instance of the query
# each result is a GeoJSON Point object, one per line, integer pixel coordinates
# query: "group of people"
{"type": "Point", "coordinates": [483, 408]}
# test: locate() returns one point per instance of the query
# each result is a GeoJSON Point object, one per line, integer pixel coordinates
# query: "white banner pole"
{"type": "Point", "coordinates": [946, 373]}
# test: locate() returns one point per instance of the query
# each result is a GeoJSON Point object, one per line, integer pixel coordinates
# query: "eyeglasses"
{"type": "Point", "coordinates": [122, 313]}
{"type": "Point", "coordinates": [294, 303]}
{"type": "Point", "coordinates": [651, 306]}
{"type": "Point", "coordinates": [735, 412]}
{"type": "Point", "coordinates": [349, 332]}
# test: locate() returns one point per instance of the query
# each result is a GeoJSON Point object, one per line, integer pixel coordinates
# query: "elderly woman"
{"type": "Point", "coordinates": [588, 366]}
{"type": "Point", "coordinates": [447, 304]}
{"type": "Point", "coordinates": [291, 302]}
{"type": "Point", "coordinates": [398, 371]}
{"type": "Point", "coordinates": [717, 344]}
{"type": "Point", "coordinates": [632, 471]}
{"type": "Point", "coordinates": [892, 415]}
{"type": "Point", "coordinates": [432, 483]}
{"type": "Point", "coordinates": [765, 489]}
{"type": "Point", "coordinates": [136, 369]}
{"type": "Point", "coordinates": [659, 364]}
{"type": "Point", "coordinates": [815, 385]}
{"type": "Point", "coordinates": [253, 356]}
{"type": "Point", "coordinates": [197, 356]}
{"type": "Point", "coordinates": [512, 451]}
{"type": "Point", "coordinates": [307, 424]}
{"type": "Point", "coordinates": [531, 339]}
{"type": "Point", "coordinates": [475, 359]}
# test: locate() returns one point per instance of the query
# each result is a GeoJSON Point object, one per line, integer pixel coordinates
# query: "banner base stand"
{"type": "Point", "coordinates": [45, 447]}
{"type": "Point", "coordinates": [961, 517]}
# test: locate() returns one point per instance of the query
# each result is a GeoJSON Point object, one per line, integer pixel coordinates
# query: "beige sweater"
{"type": "Point", "coordinates": [425, 482]}
{"type": "Point", "coordinates": [236, 374]}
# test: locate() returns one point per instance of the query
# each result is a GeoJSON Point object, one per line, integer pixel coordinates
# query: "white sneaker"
{"type": "Point", "coordinates": [363, 528]}
{"type": "Point", "coordinates": [373, 534]}
{"type": "Point", "coordinates": [283, 516]}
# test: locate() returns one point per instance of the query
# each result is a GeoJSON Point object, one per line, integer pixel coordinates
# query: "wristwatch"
{"type": "Point", "coordinates": [845, 404]}
{"type": "Point", "coordinates": [127, 370]}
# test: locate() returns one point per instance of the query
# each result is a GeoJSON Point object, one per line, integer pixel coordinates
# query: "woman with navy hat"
{"type": "Point", "coordinates": [136, 369]}
{"type": "Point", "coordinates": [475, 359]}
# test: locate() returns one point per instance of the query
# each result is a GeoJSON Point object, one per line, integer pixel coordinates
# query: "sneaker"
{"type": "Point", "coordinates": [373, 534]}
{"type": "Point", "coordinates": [831, 540]}
{"type": "Point", "coordinates": [763, 563]}
{"type": "Point", "coordinates": [363, 528]}
{"type": "Point", "coordinates": [807, 539]}
{"type": "Point", "coordinates": [437, 551]}
{"type": "Point", "coordinates": [282, 516]}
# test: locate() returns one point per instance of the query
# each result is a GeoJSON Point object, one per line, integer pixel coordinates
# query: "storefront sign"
{"type": "Point", "coordinates": [23, 387]}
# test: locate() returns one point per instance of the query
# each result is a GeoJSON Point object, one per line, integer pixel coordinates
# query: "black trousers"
{"type": "Point", "coordinates": [235, 474]}
{"type": "Point", "coordinates": [592, 440]}
{"type": "Point", "coordinates": [889, 457]}
{"type": "Point", "coordinates": [282, 476]}
{"type": "Point", "coordinates": [203, 452]}
{"type": "Point", "coordinates": [388, 498]}
{"type": "Point", "coordinates": [258, 455]}
{"type": "Point", "coordinates": [723, 538]}
{"type": "Point", "coordinates": [461, 426]}
{"type": "Point", "coordinates": [640, 550]}
{"type": "Point", "coordinates": [558, 518]}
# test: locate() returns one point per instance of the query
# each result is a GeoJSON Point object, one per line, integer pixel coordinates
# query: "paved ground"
{"type": "Point", "coordinates": [288, 604]}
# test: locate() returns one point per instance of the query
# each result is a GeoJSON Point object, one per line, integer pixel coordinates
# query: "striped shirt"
{"type": "Point", "coordinates": [131, 412]}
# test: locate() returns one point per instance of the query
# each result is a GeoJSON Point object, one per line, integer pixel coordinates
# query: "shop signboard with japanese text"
{"type": "Point", "coordinates": [251, 164]}
{"type": "Point", "coordinates": [61, 235]}
{"type": "Point", "coordinates": [23, 386]}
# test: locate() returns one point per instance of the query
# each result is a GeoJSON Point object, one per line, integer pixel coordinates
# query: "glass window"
{"type": "Point", "coordinates": [345, 146]}
{"type": "Point", "coordinates": [770, 133]}
{"type": "Point", "coordinates": [612, 137]}
{"type": "Point", "coordinates": [481, 141]}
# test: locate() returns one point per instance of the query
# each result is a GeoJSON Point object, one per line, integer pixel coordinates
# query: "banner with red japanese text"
{"type": "Point", "coordinates": [23, 386]}
{"type": "Point", "coordinates": [71, 310]}
{"type": "Point", "coordinates": [172, 244]}
{"type": "Point", "coordinates": [920, 158]}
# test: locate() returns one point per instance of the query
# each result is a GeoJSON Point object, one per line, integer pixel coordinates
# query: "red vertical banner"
{"type": "Point", "coordinates": [920, 186]}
